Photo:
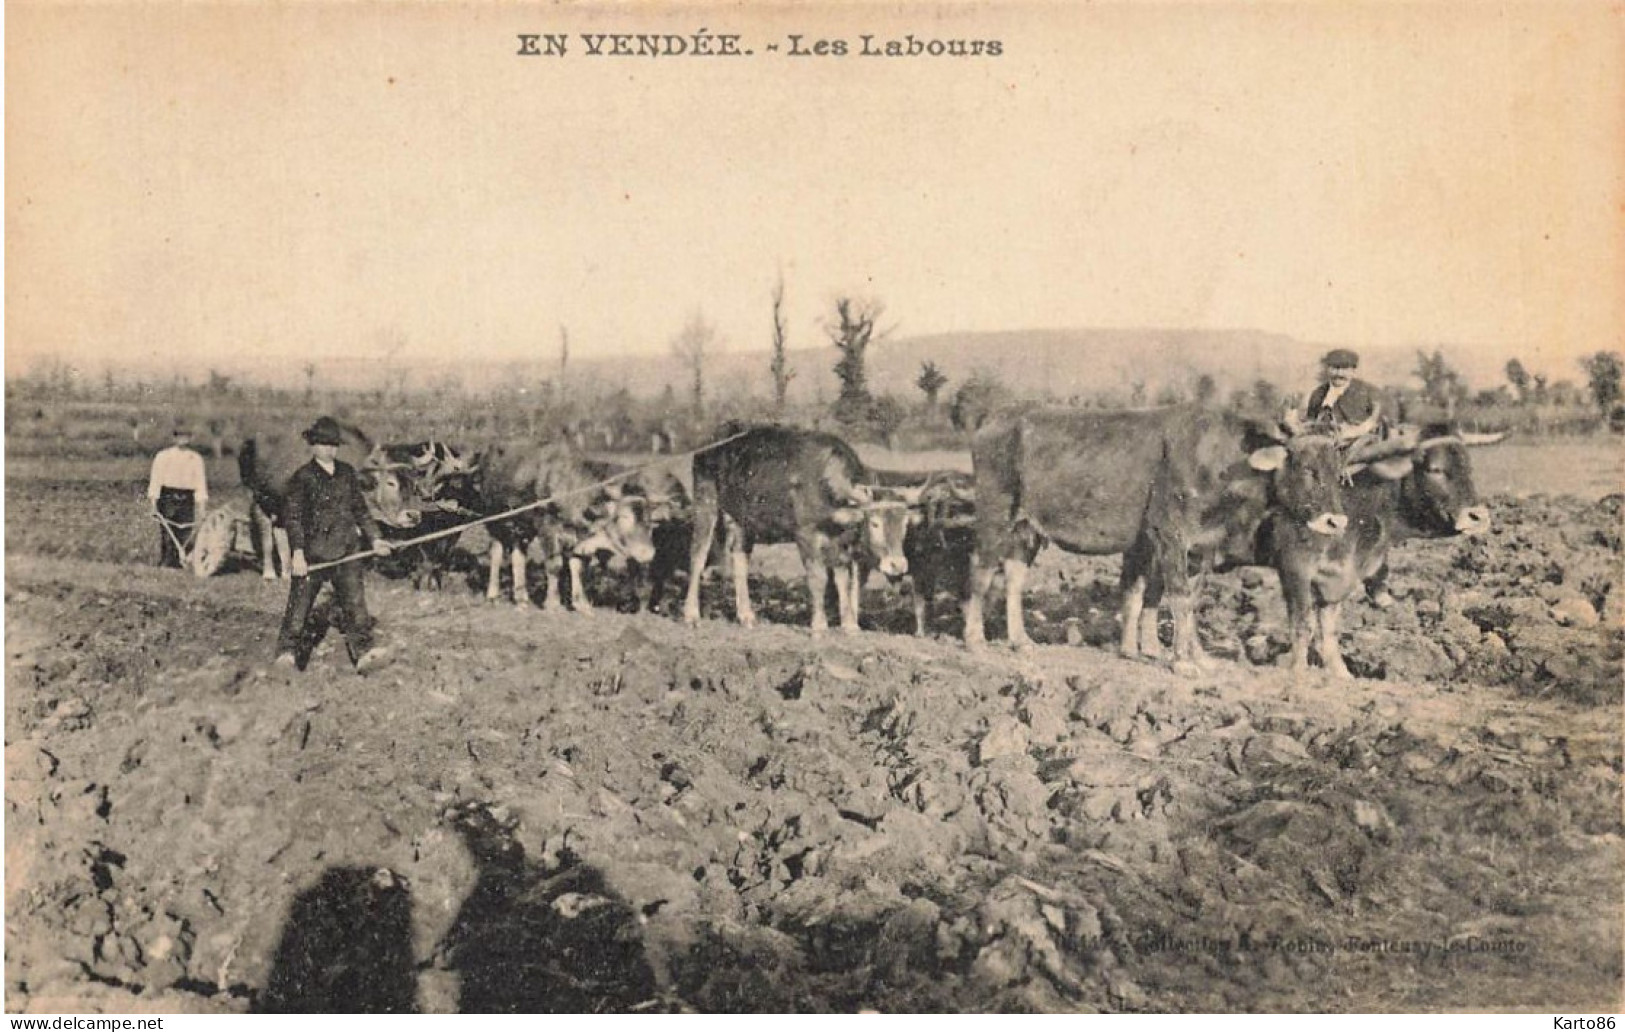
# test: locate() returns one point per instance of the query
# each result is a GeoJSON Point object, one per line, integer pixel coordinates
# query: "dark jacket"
{"type": "Point", "coordinates": [326, 514]}
{"type": "Point", "coordinates": [1355, 406]}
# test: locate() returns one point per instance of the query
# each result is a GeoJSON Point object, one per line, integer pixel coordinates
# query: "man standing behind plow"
{"type": "Point", "coordinates": [327, 520]}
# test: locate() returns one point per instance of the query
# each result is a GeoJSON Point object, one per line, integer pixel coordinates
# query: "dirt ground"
{"type": "Point", "coordinates": [613, 812]}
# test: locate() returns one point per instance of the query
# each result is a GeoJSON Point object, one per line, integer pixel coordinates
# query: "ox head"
{"type": "Point", "coordinates": [621, 527]}
{"type": "Point", "coordinates": [881, 523]}
{"type": "Point", "coordinates": [1437, 493]}
{"type": "Point", "coordinates": [1305, 478]}
{"type": "Point", "coordinates": [389, 499]}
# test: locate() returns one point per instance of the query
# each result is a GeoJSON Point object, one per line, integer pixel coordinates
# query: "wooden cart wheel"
{"type": "Point", "coordinates": [213, 541]}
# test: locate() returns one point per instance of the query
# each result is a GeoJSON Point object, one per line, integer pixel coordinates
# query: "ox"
{"type": "Point", "coordinates": [266, 461]}
{"type": "Point", "coordinates": [1163, 487]}
{"type": "Point", "coordinates": [660, 489]}
{"type": "Point", "coordinates": [432, 485]}
{"type": "Point", "coordinates": [578, 521]}
{"type": "Point", "coordinates": [939, 545]}
{"type": "Point", "coordinates": [1415, 483]}
{"type": "Point", "coordinates": [776, 485]}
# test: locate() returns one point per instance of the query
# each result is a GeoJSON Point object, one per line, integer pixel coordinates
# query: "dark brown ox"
{"type": "Point", "coordinates": [1170, 489]}
{"type": "Point", "coordinates": [776, 485]}
{"type": "Point", "coordinates": [939, 545]}
{"type": "Point", "coordinates": [579, 519]}
{"type": "Point", "coordinates": [434, 489]}
{"type": "Point", "coordinates": [266, 461]}
{"type": "Point", "coordinates": [1415, 483]}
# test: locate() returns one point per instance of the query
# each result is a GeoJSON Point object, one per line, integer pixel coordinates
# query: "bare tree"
{"type": "Point", "coordinates": [780, 366]}
{"type": "Point", "coordinates": [1441, 385]}
{"type": "Point", "coordinates": [310, 380]}
{"type": "Point", "coordinates": [931, 381]}
{"type": "Point", "coordinates": [564, 351]}
{"type": "Point", "coordinates": [852, 331]}
{"type": "Point", "coordinates": [690, 347]}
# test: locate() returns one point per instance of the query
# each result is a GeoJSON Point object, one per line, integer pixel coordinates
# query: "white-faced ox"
{"type": "Point", "coordinates": [1415, 483]}
{"type": "Point", "coordinates": [432, 486]}
{"type": "Point", "coordinates": [778, 485]}
{"type": "Point", "coordinates": [1172, 490]}
{"type": "Point", "coordinates": [577, 520]}
{"type": "Point", "coordinates": [266, 461]}
{"type": "Point", "coordinates": [939, 545]}
{"type": "Point", "coordinates": [660, 488]}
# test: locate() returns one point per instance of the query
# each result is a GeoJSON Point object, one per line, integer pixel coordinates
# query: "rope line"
{"type": "Point", "coordinates": [528, 506]}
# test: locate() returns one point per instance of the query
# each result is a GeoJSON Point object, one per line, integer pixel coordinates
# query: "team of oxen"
{"type": "Point", "coordinates": [1176, 491]}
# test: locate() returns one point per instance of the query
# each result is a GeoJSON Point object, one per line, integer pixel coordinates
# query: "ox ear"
{"type": "Point", "coordinates": [1479, 440]}
{"type": "Point", "coordinates": [915, 517]}
{"type": "Point", "coordinates": [1392, 469]}
{"type": "Point", "coordinates": [1267, 459]}
{"type": "Point", "coordinates": [847, 515]}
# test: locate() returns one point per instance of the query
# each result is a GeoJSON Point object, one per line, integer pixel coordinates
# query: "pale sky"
{"type": "Point", "coordinates": [191, 185]}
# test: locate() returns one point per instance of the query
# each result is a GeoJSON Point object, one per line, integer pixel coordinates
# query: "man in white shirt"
{"type": "Point", "coordinates": [179, 491]}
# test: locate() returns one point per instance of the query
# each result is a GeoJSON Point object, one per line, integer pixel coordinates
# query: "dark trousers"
{"type": "Point", "coordinates": [304, 625]}
{"type": "Point", "coordinates": [177, 508]}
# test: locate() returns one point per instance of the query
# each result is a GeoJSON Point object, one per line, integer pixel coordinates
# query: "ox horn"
{"type": "Point", "coordinates": [1358, 430]}
{"type": "Point", "coordinates": [1479, 440]}
{"type": "Point", "coordinates": [1291, 423]}
{"type": "Point", "coordinates": [1434, 442]}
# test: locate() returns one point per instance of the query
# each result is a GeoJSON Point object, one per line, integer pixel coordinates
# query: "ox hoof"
{"type": "Point", "coordinates": [1187, 668]}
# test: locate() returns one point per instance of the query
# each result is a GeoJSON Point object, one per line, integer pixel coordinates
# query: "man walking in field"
{"type": "Point", "coordinates": [178, 491]}
{"type": "Point", "coordinates": [327, 519]}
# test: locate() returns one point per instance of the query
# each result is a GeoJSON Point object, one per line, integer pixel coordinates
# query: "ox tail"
{"type": "Point", "coordinates": [247, 461]}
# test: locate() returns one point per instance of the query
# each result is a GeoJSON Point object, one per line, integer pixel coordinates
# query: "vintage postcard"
{"type": "Point", "coordinates": [819, 507]}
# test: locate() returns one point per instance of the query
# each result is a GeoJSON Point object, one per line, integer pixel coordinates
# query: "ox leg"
{"type": "Point", "coordinates": [1188, 653]}
{"type": "Point", "coordinates": [493, 586]}
{"type": "Point", "coordinates": [699, 548]}
{"type": "Point", "coordinates": [578, 593]}
{"type": "Point", "coordinates": [284, 551]}
{"type": "Point", "coordinates": [860, 576]}
{"type": "Point", "coordinates": [1015, 582]}
{"type": "Point", "coordinates": [817, 580]}
{"type": "Point", "coordinates": [739, 563]}
{"type": "Point", "coordinates": [1128, 645]}
{"type": "Point", "coordinates": [981, 580]}
{"type": "Point", "coordinates": [1150, 636]}
{"type": "Point", "coordinates": [1331, 653]}
{"type": "Point", "coordinates": [919, 588]}
{"type": "Point", "coordinates": [846, 580]}
{"type": "Point", "coordinates": [267, 538]}
{"type": "Point", "coordinates": [521, 590]}
{"type": "Point", "coordinates": [1298, 617]}
{"type": "Point", "coordinates": [278, 552]}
